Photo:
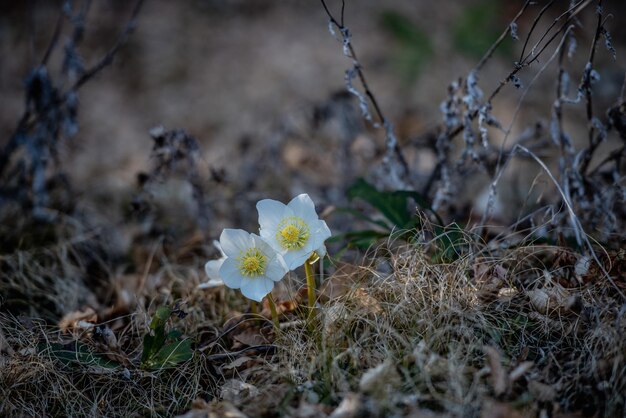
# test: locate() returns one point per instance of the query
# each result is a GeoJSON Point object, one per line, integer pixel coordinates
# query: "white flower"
{"type": "Point", "coordinates": [250, 264]}
{"type": "Point", "coordinates": [212, 269]}
{"type": "Point", "coordinates": [293, 230]}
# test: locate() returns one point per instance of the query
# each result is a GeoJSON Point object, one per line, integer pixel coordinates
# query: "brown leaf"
{"type": "Point", "coordinates": [554, 299]}
{"type": "Point", "coordinates": [499, 377]}
{"type": "Point", "coordinates": [78, 320]}
{"type": "Point", "coordinates": [238, 363]}
{"type": "Point", "coordinates": [493, 409]}
{"type": "Point", "coordinates": [520, 370]}
{"type": "Point", "coordinates": [489, 281]}
{"type": "Point", "coordinates": [350, 407]}
{"type": "Point", "coordinates": [541, 391]}
{"type": "Point", "coordinates": [249, 337]}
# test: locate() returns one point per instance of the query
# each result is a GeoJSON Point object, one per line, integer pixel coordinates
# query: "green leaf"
{"type": "Point", "coordinates": [390, 204]}
{"type": "Point", "coordinates": [79, 353]}
{"type": "Point", "coordinates": [393, 205]}
{"type": "Point", "coordinates": [161, 316]}
{"type": "Point", "coordinates": [362, 216]}
{"type": "Point", "coordinates": [172, 354]}
{"type": "Point", "coordinates": [449, 243]}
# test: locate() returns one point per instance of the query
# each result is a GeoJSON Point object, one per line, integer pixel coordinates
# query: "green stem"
{"type": "Point", "coordinates": [310, 282]}
{"type": "Point", "coordinates": [253, 307]}
{"type": "Point", "coordinates": [270, 299]}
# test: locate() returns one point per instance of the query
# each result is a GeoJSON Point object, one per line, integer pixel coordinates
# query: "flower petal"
{"type": "Point", "coordinates": [303, 207]}
{"type": "Point", "coordinates": [233, 241]}
{"type": "Point", "coordinates": [256, 288]}
{"type": "Point", "coordinates": [276, 269]}
{"type": "Point", "coordinates": [212, 268]}
{"type": "Point", "coordinates": [321, 251]}
{"type": "Point", "coordinates": [217, 245]}
{"type": "Point", "coordinates": [211, 284]}
{"type": "Point", "coordinates": [230, 274]}
{"type": "Point", "coordinates": [271, 212]}
{"type": "Point", "coordinates": [296, 258]}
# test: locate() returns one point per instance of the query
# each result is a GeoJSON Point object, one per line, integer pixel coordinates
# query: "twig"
{"type": "Point", "coordinates": [593, 143]}
{"type": "Point", "coordinates": [502, 37]}
{"type": "Point", "coordinates": [108, 57]}
{"type": "Point", "coordinates": [392, 144]}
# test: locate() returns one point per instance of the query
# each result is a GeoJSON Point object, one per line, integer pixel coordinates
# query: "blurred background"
{"type": "Point", "coordinates": [260, 85]}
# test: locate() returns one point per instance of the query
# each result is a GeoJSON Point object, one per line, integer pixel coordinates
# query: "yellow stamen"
{"type": "Point", "coordinates": [252, 262]}
{"type": "Point", "coordinates": [293, 233]}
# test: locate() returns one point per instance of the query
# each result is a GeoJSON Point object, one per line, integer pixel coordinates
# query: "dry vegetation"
{"type": "Point", "coordinates": [415, 319]}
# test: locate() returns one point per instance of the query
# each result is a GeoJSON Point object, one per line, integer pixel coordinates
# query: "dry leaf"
{"type": "Point", "coordinates": [350, 407]}
{"type": "Point", "coordinates": [249, 337]}
{"type": "Point", "coordinates": [381, 380]}
{"type": "Point", "coordinates": [492, 409]}
{"type": "Point", "coordinates": [541, 391]}
{"type": "Point", "coordinates": [550, 299]}
{"type": "Point", "coordinates": [84, 319]}
{"type": "Point", "coordinates": [235, 390]}
{"type": "Point", "coordinates": [237, 363]}
{"type": "Point", "coordinates": [499, 378]}
{"type": "Point", "coordinates": [520, 370]}
{"type": "Point", "coordinates": [489, 281]}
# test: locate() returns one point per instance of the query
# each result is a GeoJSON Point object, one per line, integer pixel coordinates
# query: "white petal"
{"type": "Point", "coordinates": [269, 238]}
{"type": "Point", "coordinates": [276, 269]}
{"type": "Point", "coordinates": [321, 251]}
{"type": "Point", "coordinates": [303, 206]}
{"type": "Point", "coordinates": [217, 245]}
{"type": "Point", "coordinates": [324, 229]}
{"type": "Point", "coordinates": [212, 268]}
{"type": "Point", "coordinates": [271, 212]}
{"type": "Point", "coordinates": [256, 288]}
{"type": "Point", "coordinates": [233, 241]}
{"type": "Point", "coordinates": [296, 258]}
{"type": "Point", "coordinates": [319, 234]}
{"type": "Point", "coordinates": [211, 284]}
{"type": "Point", "coordinates": [230, 273]}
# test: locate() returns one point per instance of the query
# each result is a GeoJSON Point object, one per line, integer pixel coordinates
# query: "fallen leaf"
{"type": "Point", "coordinates": [237, 363]}
{"type": "Point", "coordinates": [84, 319]}
{"type": "Point", "coordinates": [493, 409]}
{"type": "Point", "coordinates": [541, 391]}
{"type": "Point", "coordinates": [381, 380]}
{"type": "Point", "coordinates": [249, 337]}
{"type": "Point", "coordinates": [520, 370]}
{"type": "Point", "coordinates": [350, 407]}
{"type": "Point", "coordinates": [235, 390]}
{"type": "Point", "coordinates": [499, 378]}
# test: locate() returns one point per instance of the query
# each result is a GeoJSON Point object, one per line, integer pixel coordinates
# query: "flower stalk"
{"type": "Point", "coordinates": [310, 282]}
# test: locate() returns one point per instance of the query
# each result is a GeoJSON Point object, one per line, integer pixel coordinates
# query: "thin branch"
{"type": "Point", "coordinates": [108, 57]}
{"type": "Point", "coordinates": [357, 66]}
{"type": "Point", "coordinates": [502, 37]}
{"type": "Point", "coordinates": [593, 143]}
{"type": "Point", "coordinates": [533, 26]}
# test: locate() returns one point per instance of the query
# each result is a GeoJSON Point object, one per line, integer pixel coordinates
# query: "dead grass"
{"type": "Point", "coordinates": [522, 331]}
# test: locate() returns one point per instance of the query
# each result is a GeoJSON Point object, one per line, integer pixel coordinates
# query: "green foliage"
{"type": "Point", "coordinates": [164, 349]}
{"type": "Point", "coordinates": [415, 47]}
{"type": "Point", "coordinates": [398, 216]}
{"type": "Point", "coordinates": [77, 353]}
{"type": "Point", "coordinates": [478, 28]}
{"type": "Point", "coordinates": [449, 243]}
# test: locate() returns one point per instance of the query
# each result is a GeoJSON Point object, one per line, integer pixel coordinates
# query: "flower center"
{"type": "Point", "coordinates": [293, 233]}
{"type": "Point", "coordinates": [252, 263]}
